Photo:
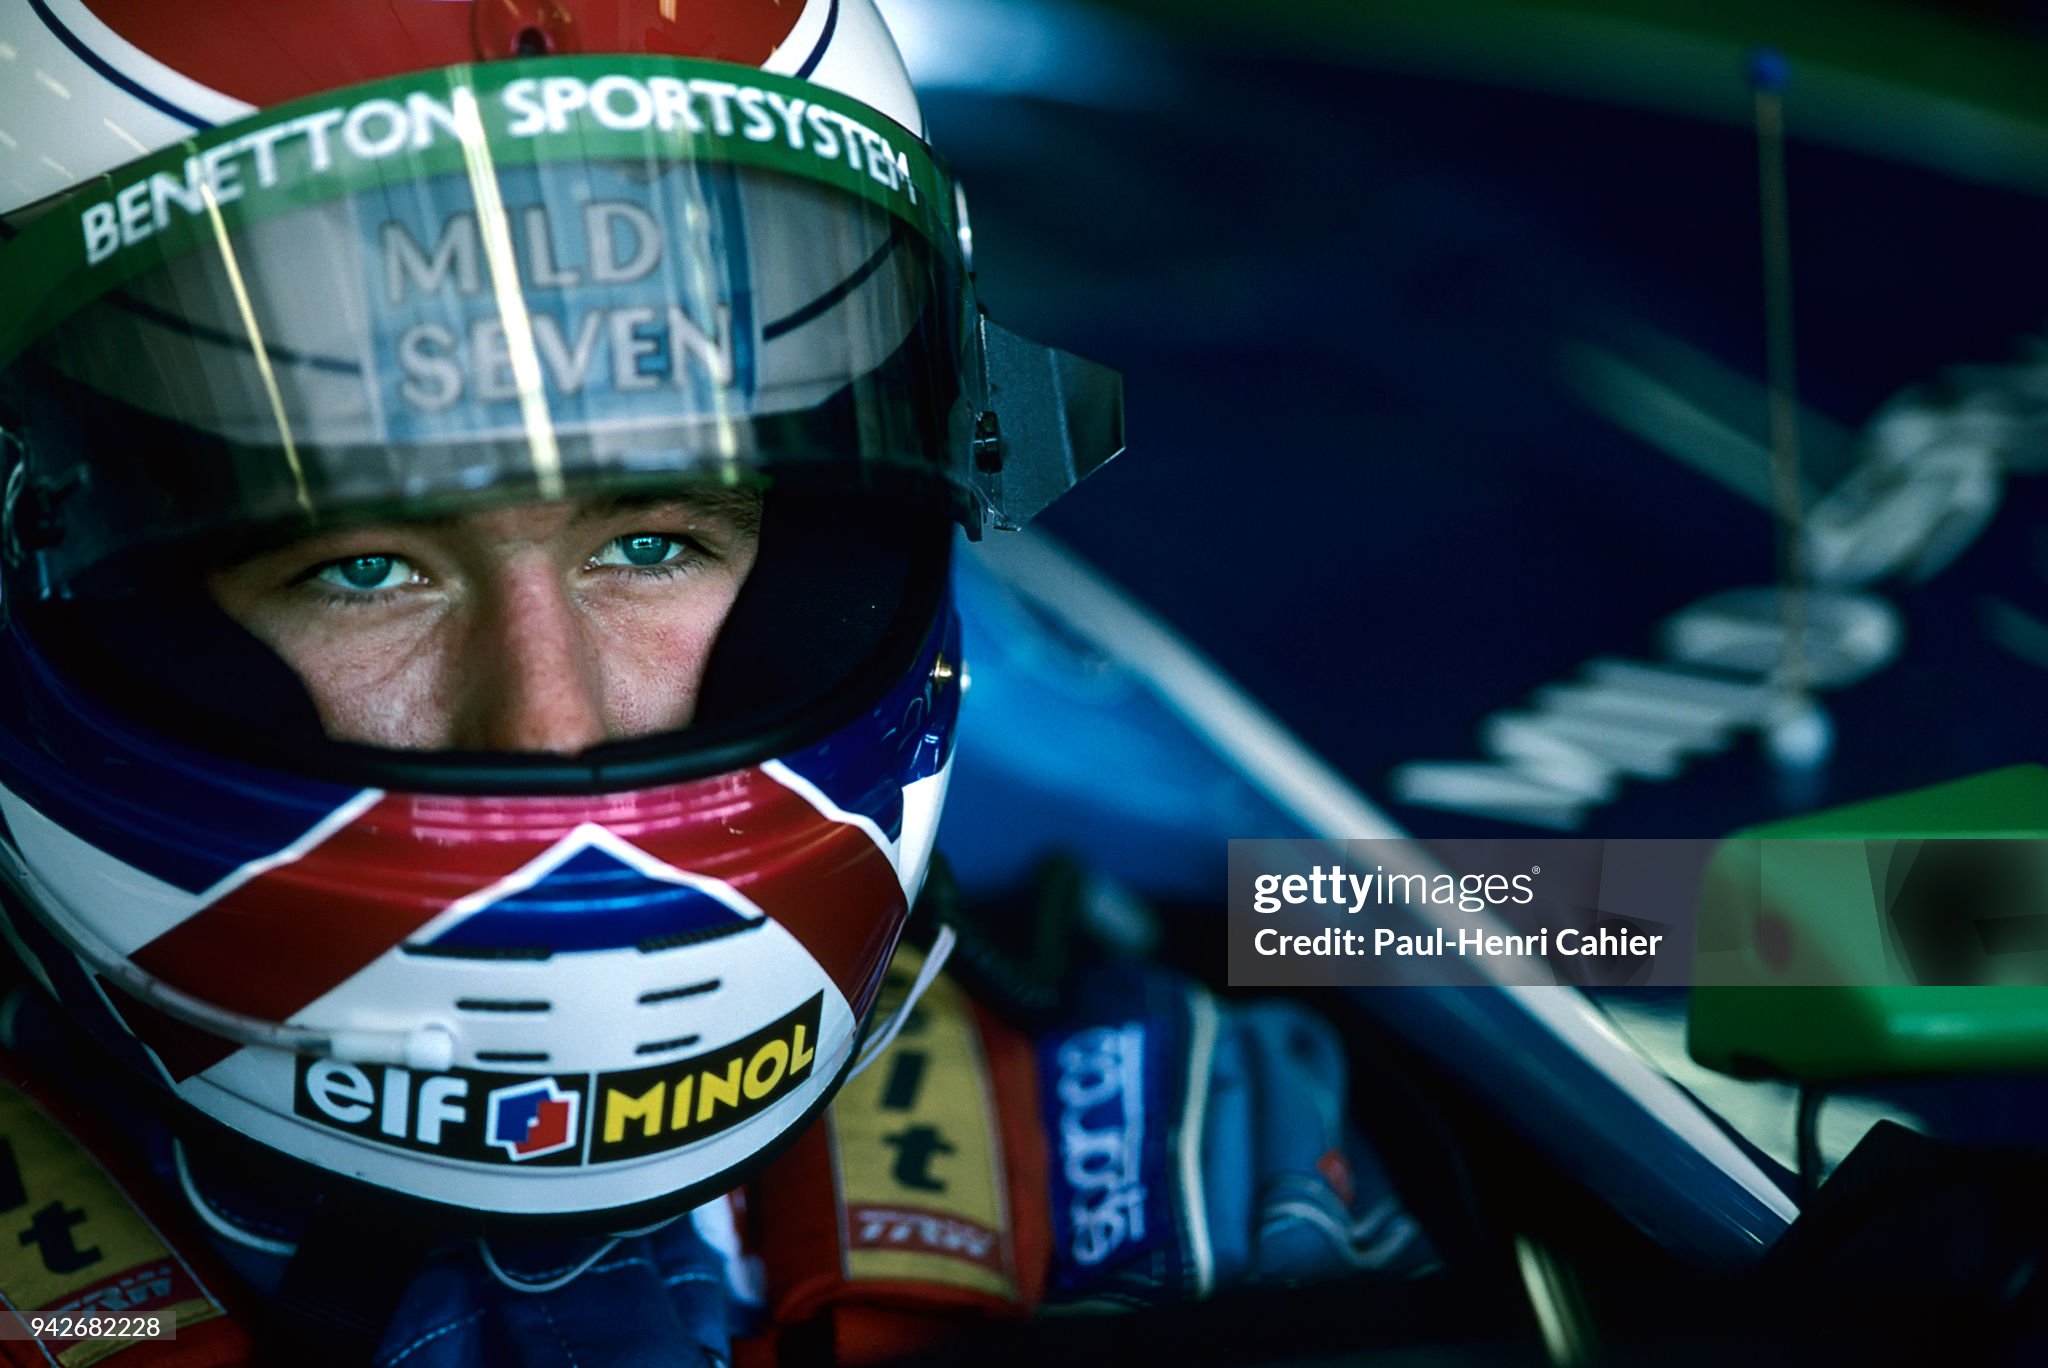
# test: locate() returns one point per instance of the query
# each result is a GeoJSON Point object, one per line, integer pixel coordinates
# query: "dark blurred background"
{"type": "Point", "coordinates": [1444, 332]}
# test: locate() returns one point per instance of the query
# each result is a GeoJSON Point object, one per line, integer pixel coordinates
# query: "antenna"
{"type": "Point", "coordinates": [1799, 735]}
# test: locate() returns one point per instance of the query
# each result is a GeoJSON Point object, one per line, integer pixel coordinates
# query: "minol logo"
{"type": "Point", "coordinates": [645, 1111]}
{"type": "Point", "coordinates": [532, 1119]}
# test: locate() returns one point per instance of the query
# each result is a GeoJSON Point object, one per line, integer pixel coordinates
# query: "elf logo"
{"type": "Point", "coordinates": [400, 1106]}
{"type": "Point", "coordinates": [532, 1119]}
{"type": "Point", "coordinates": [489, 1118]}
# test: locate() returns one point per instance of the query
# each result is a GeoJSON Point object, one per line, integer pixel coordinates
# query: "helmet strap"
{"type": "Point", "coordinates": [343, 1285]}
{"type": "Point", "coordinates": [512, 1282]}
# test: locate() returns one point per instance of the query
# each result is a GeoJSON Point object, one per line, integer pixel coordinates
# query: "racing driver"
{"type": "Point", "coordinates": [478, 678]}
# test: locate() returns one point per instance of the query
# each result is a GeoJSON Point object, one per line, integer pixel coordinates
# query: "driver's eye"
{"type": "Point", "coordinates": [365, 574]}
{"type": "Point", "coordinates": [639, 550]}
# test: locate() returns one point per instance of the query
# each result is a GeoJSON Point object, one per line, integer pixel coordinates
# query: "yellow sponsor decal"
{"type": "Point", "coordinates": [642, 1111]}
{"type": "Point", "coordinates": [920, 1158]}
{"type": "Point", "coordinates": [72, 1246]}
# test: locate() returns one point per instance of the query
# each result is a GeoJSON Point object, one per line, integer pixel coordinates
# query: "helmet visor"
{"type": "Point", "coordinates": [508, 282]}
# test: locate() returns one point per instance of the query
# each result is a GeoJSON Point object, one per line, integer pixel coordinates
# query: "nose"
{"type": "Point", "coordinates": [530, 679]}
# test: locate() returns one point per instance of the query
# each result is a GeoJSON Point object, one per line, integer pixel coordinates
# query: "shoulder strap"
{"type": "Point", "coordinates": [90, 1243]}
{"type": "Point", "coordinates": [919, 1206]}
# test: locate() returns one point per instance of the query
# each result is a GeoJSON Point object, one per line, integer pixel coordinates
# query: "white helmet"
{"type": "Point", "coordinates": [321, 265]}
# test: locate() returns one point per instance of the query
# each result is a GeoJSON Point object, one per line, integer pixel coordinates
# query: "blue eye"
{"type": "Point", "coordinates": [365, 574]}
{"type": "Point", "coordinates": [639, 550]}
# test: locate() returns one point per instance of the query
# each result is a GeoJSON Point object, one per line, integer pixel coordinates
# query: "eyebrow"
{"type": "Point", "coordinates": [740, 506]}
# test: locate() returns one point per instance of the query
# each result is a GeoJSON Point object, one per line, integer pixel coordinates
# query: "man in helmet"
{"type": "Point", "coordinates": [478, 674]}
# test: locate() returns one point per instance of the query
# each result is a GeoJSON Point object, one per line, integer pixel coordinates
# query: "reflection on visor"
{"type": "Point", "coordinates": [490, 283]}
{"type": "Point", "coordinates": [584, 273]}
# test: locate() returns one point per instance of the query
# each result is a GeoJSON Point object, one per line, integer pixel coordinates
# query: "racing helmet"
{"type": "Point", "coordinates": [270, 269]}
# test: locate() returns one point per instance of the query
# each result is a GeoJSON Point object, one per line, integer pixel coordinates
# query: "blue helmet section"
{"type": "Point", "coordinates": [176, 813]}
{"type": "Point", "coordinates": [592, 901]}
{"type": "Point", "coordinates": [910, 733]}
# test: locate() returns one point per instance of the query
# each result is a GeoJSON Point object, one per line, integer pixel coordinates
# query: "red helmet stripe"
{"type": "Point", "coordinates": [275, 944]}
{"type": "Point", "coordinates": [272, 920]}
{"type": "Point", "coordinates": [266, 52]}
{"type": "Point", "coordinates": [829, 884]}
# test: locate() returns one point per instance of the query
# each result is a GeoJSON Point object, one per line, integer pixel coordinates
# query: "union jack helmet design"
{"type": "Point", "coordinates": [272, 267]}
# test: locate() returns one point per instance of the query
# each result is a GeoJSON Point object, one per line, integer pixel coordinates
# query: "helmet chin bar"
{"type": "Point", "coordinates": [430, 1047]}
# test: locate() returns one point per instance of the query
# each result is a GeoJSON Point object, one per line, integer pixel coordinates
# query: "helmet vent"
{"type": "Point", "coordinates": [672, 994]}
{"type": "Point", "coordinates": [522, 28]}
{"type": "Point", "coordinates": [676, 940]}
{"type": "Point", "coordinates": [502, 1005]}
{"type": "Point", "coordinates": [480, 952]}
{"type": "Point", "coordinates": [511, 1056]}
{"type": "Point", "coordinates": [662, 1046]}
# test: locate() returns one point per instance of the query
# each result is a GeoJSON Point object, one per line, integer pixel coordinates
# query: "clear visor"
{"type": "Point", "coordinates": [520, 281]}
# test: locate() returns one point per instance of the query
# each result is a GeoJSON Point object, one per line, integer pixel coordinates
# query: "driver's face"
{"type": "Point", "coordinates": [541, 627]}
